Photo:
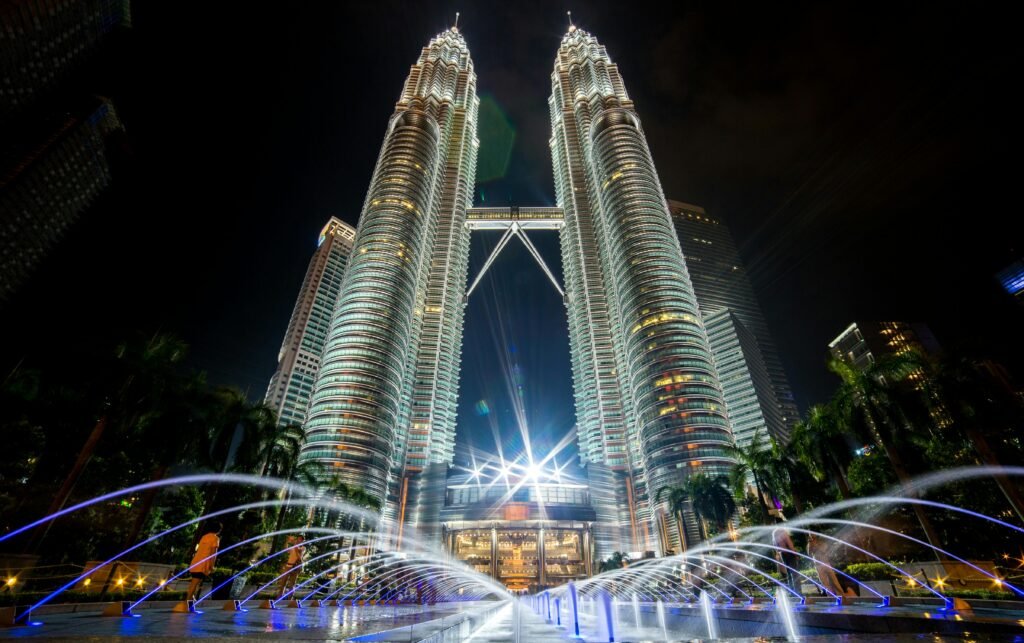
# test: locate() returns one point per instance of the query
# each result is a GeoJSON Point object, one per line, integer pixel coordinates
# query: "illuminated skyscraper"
{"type": "Point", "coordinates": [721, 283]}
{"type": "Point", "coordinates": [299, 357]}
{"type": "Point", "coordinates": [384, 403]}
{"type": "Point", "coordinates": [649, 407]}
{"type": "Point", "coordinates": [865, 342]}
{"type": "Point", "coordinates": [648, 401]}
{"type": "Point", "coordinates": [746, 385]}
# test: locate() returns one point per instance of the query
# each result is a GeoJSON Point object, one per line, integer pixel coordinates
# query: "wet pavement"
{"type": "Point", "coordinates": [326, 624]}
{"type": "Point", "coordinates": [476, 622]}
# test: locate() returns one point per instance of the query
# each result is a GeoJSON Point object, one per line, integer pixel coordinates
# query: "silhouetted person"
{"type": "Point", "coordinates": [818, 549]}
{"type": "Point", "coordinates": [201, 566]}
{"type": "Point", "coordinates": [786, 554]}
{"type": "Point", "coordinates": [293, 564]}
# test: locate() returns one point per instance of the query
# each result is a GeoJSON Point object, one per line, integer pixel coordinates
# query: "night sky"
{"type": "Point", "coordinates": [864, 156]}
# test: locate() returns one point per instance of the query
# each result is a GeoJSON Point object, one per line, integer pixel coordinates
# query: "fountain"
{"type": "Point", "coordinates": [661, 619]}
{"type": "Point", "coordinates": [373, 571]}
{"type": "Point", "coordinates": [574, 603]}
{"type": "Point", "coordinates": [786, 608]}
{"type": "Point", "coordinates": [709, 615]}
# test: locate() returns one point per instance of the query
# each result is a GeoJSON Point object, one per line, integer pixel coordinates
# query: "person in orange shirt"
{"type": "Point", "coordinates": [201, 566]}
{"type": "Point", "coordinates": [293, 565]}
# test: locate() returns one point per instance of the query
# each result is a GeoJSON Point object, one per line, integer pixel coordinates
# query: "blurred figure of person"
{"type": "Point", "coordinates": [293, 564]}
{"type": "Point", "coordinates": [787, 557]}
{"type": "Point", "coordinates": [201, 566]}
{"type": "Point", "coordinates": [818, 549]}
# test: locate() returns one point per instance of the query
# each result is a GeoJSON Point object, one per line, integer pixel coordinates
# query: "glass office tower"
{"type": "Point", "coordinates": [299, 358]}
{"type": "Point", "coordinates": [721, 283]}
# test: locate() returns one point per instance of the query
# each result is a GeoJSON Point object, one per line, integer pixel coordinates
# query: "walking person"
{"type": "Point", "coordinates": [818, 549]}
{"type": "Point", "coordinates": [293, 564]}
{"type": "Point", "coordinates": [787, 557]}
{"type": "Point", "coordinates": [201, 566]}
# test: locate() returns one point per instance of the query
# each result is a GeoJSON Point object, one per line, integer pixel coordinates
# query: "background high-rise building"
{"type": "Point", "coordinates": [721, 282]}
{"type": "Point", "coordinates": [1011, 278]}
{"type": "Point", "coordinates": [299, 358]}
{"type": "Point", "coordinates": [865, 342]}
{"type": "Point", "coordinates": [54, 157]}
{"type": "Point", "coordinates": [647, 398]}
{"type": "Point", "coordinates": [43, 43]}
{"type": "Point", "coordinates": [746, 384]}
{"type": "Point", "coordinates": [48, 182]}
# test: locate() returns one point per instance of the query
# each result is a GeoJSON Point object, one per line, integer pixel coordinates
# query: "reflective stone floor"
{"type": "Point", "coordinates": [158, 625]}
{"type": "Point", "coordinates": [485, 623]}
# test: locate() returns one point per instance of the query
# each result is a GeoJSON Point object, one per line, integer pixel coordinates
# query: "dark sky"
{"type": "Point", "coordinates": [864, 156]}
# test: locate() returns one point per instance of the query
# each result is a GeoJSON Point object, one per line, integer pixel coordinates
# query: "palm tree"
{"type": "Point", "coordinates": [617, 560]}
{"type": "Point", "coordinates": [709, 498]}
{"type": "Point", "coordinates": [818, 442]}
{"type": "Point", "coordinates": [751, 462]}
{"type": "Point", "coordinates": [170, 435]}
{"type": "Point", "coordinates": [979, 411]}
{"type": "Point", "coordinates": [133, 384]}
{"type": "Point", "coordinates": [678, 501]}
{"type": "Point", "coordinates": [868, 400]}
{"type": "Point", "coordinates": [712, 502]}
{"type": "Point", "coordinates": [281, 452]}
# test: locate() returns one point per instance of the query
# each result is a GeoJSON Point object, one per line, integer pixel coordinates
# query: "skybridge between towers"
{"type": "Point", "coordinates": [515, 221]}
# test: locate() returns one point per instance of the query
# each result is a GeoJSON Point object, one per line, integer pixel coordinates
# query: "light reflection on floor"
{"type": "Point", "coordinates": [395, 623]}
{"type": "Point", "coordinates": [309, 623]}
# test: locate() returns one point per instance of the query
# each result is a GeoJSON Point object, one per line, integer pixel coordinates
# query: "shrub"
{"type": "Point", "coordinates": [870, 571]}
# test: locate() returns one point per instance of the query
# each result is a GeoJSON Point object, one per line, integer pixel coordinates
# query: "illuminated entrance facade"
{"type": "Point", "coordinates": [649, 408]}
{"type": "Point", "coordinates": [528, 534]}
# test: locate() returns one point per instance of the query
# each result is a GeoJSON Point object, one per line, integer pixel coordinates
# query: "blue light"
{"type": "Point", "coordinates": [1012, 277]}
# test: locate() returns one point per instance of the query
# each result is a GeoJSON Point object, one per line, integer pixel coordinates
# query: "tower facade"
{"type": "Point", "coordinates": [384, 402]}
{"type": "Point", "coordinates": [720, 282]}
{"type": "Point", "coordinates": [647, 396]}
{"type": "Point", "coordinates": [649, 406]}
{"type": "Point", "coordinates": [746, 385]}
{"type": "Point", "coordinates": [299, 358]}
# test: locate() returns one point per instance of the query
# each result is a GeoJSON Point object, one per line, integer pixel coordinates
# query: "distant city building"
{"type": "Point", "coordinates": [299, 358]}
{"type": "Point", "coordinates": [746, 384]}
{"type": "Point", "coordinates": [48, 184]}
{"type": "Point", "coordinates": [53, 160]}
{"type": "Point", "coordinates": [721, 284]}
{"type": "Point", "coordinates": [41, 43]}
{"type": "Point", "coordinates": [1011, 278]}
{"type": "Point", "coordinates": [864, 343]}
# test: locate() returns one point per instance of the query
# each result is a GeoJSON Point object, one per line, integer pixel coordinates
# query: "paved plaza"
{"type": "Point", "coordinates": [494, 622]}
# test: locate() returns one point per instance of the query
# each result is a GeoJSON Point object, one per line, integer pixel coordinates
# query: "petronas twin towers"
{"type": "Point", "coordinates": [648, 404]}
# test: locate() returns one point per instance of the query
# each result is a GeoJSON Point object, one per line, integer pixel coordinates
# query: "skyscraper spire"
{"type": "Point", "coordinates": [385, 394]}
{"type": "Point", "coordinates": [455, 27]}
{"type": "Point", "coordinates": [648, 401]}
{"type": "Point", "coordinates": [572, 27]}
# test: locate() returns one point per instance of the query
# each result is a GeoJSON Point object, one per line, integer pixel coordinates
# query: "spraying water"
{"type": "Point", "coordinates": [709, 615]}
{"type": "Point", "coordinates": [574, 603]}
{"type": "Point", "coordinates": [661, 619]}
{"type": "Point", "coordinates": [785, 607]}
